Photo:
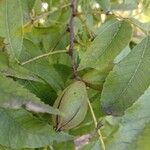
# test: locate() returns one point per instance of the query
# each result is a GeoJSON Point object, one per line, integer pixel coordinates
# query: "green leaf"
{"type": "Point", "coordinates": [105, 4]}
{"type": "Point", "coordinates": [122, 55]}
{"type": "Point", "coordinates": [112, 37]}
{"type": "Point", "coordinates": [128, 80]}
{"type": "Point", "coordinates": [144, 138]}
{"type": "Point", "coordinates": [63, 59]}
{"type": "Point", "coordinates": [64, 146]}
{"type": "Point", "coordinates": [13, 26]}
{"type": "Point", "coordinates": [37, 7]}
{"type": "Point", "coordinates": [12, 69]}
{"type": "Point", "coordinates": [29, 50]}
{"type": "Point", "coordinates": [2, 18]}
{"type": "Point", "coordinates": [96, 78]}
{"type": "Point", "coordinates": [4, 148]}
{"type": "Point", "coordinates": [54, 75]}
{"type": "Point", "coordinates": [133, 126]}
{"type": "Point", "coordinates": [2, 45]}
{"type": "Point", "coordinates": [127, 5]}
{"type": "Point", "coordinates": [8, 148]}
{"type": "Point", "coordinates": [123, 7]}
{"type": "Point", "coordinates": [133, 2]}
{"type": "Point", "coordinates": [14, 96]}
{"type": "Point", "coordinates": [95, 145]}
{"type": "Point", "coordinates": [27, 6]}
{"type": "Point", "coordinates": [41, 90]}
{"type": "Point", "coordinates": [50, 38]}
{"type": "Point", "coordinates": [20, 129]}
{"type": "Point", "coordinates": [4, 62]}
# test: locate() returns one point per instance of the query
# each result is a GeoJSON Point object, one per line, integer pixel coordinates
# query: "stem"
{"type": "Point", "coordinates": [96, 123]}
{"type": "Point", "coordinates": [43, 55]}
{"type": "Point", "coordinates": [72, 39]}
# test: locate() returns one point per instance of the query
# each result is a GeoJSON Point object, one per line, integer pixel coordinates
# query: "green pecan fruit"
{"type": "Point", "coordinates": [73, 104]}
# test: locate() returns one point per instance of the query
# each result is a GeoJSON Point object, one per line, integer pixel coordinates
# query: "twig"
{"type": "Point", "coordinates": [45, 14]}
{"type": "Point", "coordinates": [50, 51]}
{"type": "Point", "coordinates": [131, 22]}
{"type": "Point", "coordinates": [96, 126]}
{"type": "Point", "coordinates": [43, 55]}
{"type": "Point", "coordinates": [72, 39]}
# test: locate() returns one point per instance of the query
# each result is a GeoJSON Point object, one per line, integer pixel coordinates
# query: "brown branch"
{"type": "Point", "coordinates": [72, 39]}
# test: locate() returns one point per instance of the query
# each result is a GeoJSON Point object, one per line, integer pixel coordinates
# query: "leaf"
{"type": "Point", "coordinates": [2, 45]}
{"type": "Point", "coordinates": [63, 59]}
{"type": "Point", "coordinates": [14, 96]}
{"type": "Point", "coordinates": [144, 138]}
{"type": "Point", "coordinates": [29, 50]}
{"type": "Point", "coordinates": [133, 125]}
{"type": "Point", "coordinates": [2, 24]}
{"type": "Point", "coordinates": [4, 62]}
{"type": "Point", "coordinates": [95, 145]}
{"type": "Point", "coordinates": [133, 2]}
{"type": "Point", "coordinates": [13, 26]}
{"type": "Point", "coordinates": [50, 38]}
{"type": "Point", "coordinates": [112, 37]}
{"type": "Point", "coordinates": [27, 6]}
{"type": "Point", "coordinates": [41, 90]}
{"type": "Point", "coordinates": [64, 146]}
{"type": "Point", "coordinates": [12, 69]}
{"type": "Point", "coordinates": [127, 5]}
{"type": "Point", "coordinates": [4, 148]}
{"type": "Point", "coordinates": [8, 148]}
{"type": "Point", "coordinates": [128, 80]}
{"type": "Point", "coordinates": [20, 129]}
{"type": "Point", "coordinates": [105, 4]}
{"type": "Point", "coordinates": [54, 75]}
{"type": "Point", "coordinates": [123, 7]}
{"type": "Point", "coordinates": [122, 55]}
{"type": "Point", "coordinates": [37, 7]}
{"type": "Point", "coordinates": [96, 78]}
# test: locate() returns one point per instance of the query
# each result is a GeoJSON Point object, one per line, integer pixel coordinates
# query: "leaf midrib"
{"type": "Point", "coordinates": [111, 41]}
{"type": "Point", "coordinates": [7, 26]}
{"type": "Point", "coordinates": [133, 75]}
{"type": "Point", "coordinates": [21, 126]}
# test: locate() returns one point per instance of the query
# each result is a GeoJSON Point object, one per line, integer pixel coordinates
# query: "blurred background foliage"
{"type": "Point", "coordinates": [45, 30]}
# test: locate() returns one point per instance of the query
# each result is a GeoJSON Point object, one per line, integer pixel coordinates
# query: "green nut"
{"type": "Point", "coordinates": [73, 104]}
